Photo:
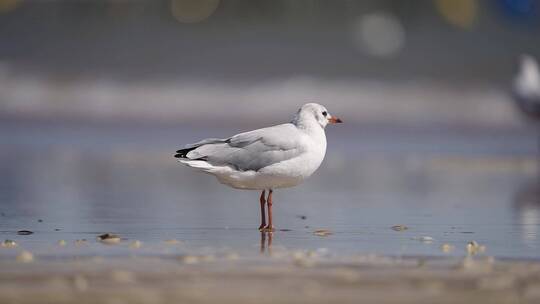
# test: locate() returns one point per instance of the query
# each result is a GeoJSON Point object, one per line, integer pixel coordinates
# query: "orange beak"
{"type": "Point", "coordinates": [334, 120]}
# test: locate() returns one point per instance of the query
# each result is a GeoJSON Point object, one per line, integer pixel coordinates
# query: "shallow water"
{"type": "Point", "coordinates": [72, 181]}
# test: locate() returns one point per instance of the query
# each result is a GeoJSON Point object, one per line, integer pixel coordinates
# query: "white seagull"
{"type": "Point", "coordinates": [265, 159]}
{"type": "Point", "coordinates": [526, 87]}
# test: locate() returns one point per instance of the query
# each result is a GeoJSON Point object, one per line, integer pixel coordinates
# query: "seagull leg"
{"type": "Point", "coordinates": [269, 227]}
{"type": "Point", "coordinates": [263, 213]}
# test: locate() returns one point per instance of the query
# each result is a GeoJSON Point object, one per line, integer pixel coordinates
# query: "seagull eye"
{"type": "Point", "coordinates": [324, 113]}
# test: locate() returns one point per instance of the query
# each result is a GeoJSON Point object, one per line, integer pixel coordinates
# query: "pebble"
{"type": "Point", "coordinates": [426, 239]}
{"type": "Point", "coordinates": [322, 232]}
{"type": "Point", "coordinates": [109, 238]}
{"type": "Point", "coordinates": [446, 248]}
{"type": "Point", "coordinates": [172, 242]}
{"type": "Point", "coordinates": [9, 243]}
{"type": "Point", "coordinates": [25, 257]}
{"type": "Point", "coordinates": [24, 232]}
{"type": "Point", "coordinates": [399, 227]}
{"type": "Point", "coordinates": [473, 248]}
{"type": "Point", "coordinates": [62, 243]}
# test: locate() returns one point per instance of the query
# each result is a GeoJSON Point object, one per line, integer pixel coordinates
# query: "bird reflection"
{"type": "Point", "coordinates": [266, 242]}
{"type": "Point", "coordinates": [527, 204]}
{"type": "Point", "coordinates": [526, 95]}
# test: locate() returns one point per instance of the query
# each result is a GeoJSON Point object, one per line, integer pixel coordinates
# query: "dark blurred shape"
{"type": "Point", "coordinates": [520, 10]}
{"type": "Point", "coordinates": [526, 89]}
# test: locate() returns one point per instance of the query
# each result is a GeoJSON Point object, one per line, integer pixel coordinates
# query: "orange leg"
{"type": "Point", "coordinates": [263, 213]}
{"type": "Point", "coordinates": [269, 227]}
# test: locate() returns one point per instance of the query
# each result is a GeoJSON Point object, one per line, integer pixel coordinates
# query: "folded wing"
{"type": "Point", "coordinates": [252, 150]}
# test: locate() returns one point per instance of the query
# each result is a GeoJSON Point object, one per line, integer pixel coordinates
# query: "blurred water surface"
{"type": "Point", "coordinates": [76, 180]}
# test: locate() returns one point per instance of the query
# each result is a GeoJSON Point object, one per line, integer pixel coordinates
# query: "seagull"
{"type": "Point", "coordinates": [280, 156]}
{"type": "Point", "coordinates": [526, 87]}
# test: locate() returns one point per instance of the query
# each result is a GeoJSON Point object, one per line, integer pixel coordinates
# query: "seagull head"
{"type": "Point", "coordinates": [313, 112]}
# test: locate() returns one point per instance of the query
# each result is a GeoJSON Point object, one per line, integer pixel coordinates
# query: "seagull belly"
{"type": "Point", "coordinates": [280, 175]}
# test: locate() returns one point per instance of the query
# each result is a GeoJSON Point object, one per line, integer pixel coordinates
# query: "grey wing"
{"type": "Point", "coordinates": [250, 150]}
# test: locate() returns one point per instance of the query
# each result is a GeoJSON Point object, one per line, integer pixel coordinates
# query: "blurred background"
{"type": "Point", "coordinates": [95, 96]}
{"type": "Point", "coordinates": [404, 62]}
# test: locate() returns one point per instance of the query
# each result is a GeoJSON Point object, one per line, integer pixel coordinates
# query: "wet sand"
{"type": "Point", "coordinates": [279, 276]}
{"type": "Point", "coordinates": [198, 241]}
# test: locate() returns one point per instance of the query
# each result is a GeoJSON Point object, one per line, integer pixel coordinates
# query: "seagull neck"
{"type": "Point", "coordinates": [309, 127]}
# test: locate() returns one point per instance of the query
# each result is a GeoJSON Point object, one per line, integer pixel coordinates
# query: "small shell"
{"type": "Point", "coordinates": [109, 238]}
{"type": "Point", "coordinates": [9, 243]}
{"type": "Point", "coordinates": [399, 227]}
{"type": "Point", "coordinates": [322, 232]}
{"type": "Point", "coordinates": [426, 239]}
{"type": "Point", "coordinates": [446, 248]}
{"type": "Point", "coordinates": [473, 248]}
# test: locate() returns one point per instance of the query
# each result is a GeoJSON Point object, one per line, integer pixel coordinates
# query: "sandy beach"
{"type": "Point", "coordinates": [278, 277]}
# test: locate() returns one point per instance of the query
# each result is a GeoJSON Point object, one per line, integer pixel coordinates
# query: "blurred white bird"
{"type": "Point", "coordinates": [275, 157]}
{"type": "Point", "coordinates": [526, 87]}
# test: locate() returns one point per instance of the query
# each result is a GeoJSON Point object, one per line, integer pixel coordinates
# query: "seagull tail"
{"type": "Point", "coordinates": [197, 160]}
{"type": "Point", "coordinates": [197, 164]}
{"type": "Point", "coordinates": [182, 153]}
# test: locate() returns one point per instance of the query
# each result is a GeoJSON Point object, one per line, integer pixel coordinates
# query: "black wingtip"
{"type": "Point", "coordinates": [182, 153]}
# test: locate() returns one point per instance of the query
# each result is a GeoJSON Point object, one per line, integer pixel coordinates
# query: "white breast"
{"type": "Point", "coordinates": [284, 174]}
